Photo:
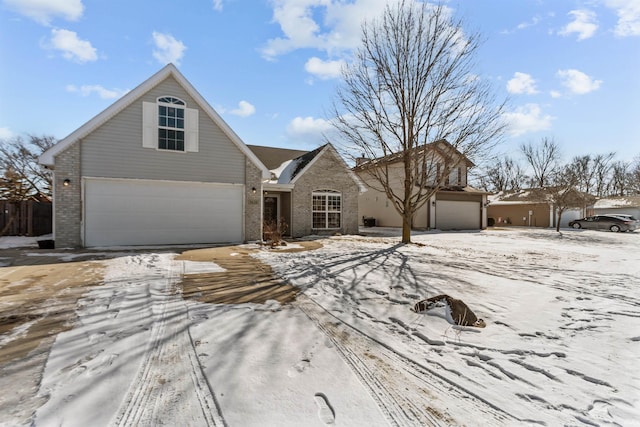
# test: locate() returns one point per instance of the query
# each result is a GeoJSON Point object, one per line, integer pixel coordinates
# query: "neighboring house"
{"type": "Point", "coordinates": [455, 206]}
{"type": "Point", "coordinates": [627, 205]}
{"type": "Point", "coordinates": [528, 208]}
{"type": "Point", "coordinates": [160, 166]}
{"type": "Point", "coordinates": [312, 192]}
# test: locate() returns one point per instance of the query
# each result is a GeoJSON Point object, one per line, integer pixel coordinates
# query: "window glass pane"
{"type": "Point", "coordinates": [162, 110]}
{"type": "Point", "coordinates": [333, 203]}
{"type": "Point", "coordinates": [319, 203]}
{"type": "Point", "coordinates": [319, 220]}
{"type": "Point", "coordinates": [180, 123]}
{"type": "Point", "coordinates": [162, 139]}
{"type": "Point", "coordinates": [162, 121]}
{"type": "Point", "coordinates": [180, 113]}
{"type": "Point", "coordinates": [171, 123]}
{"type": "Point", "coordinates": [180, 145]}
{"type": "Point", "coordinates": [333, 219]}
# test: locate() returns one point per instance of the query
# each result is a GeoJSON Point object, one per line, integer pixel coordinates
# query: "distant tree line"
{"type": "Point", "coordinates": [540, 166]}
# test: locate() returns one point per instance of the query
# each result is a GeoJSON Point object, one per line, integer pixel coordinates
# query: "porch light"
{"type": "Point", "coordinates": [66, 182]}
{"type": "Point", "coordinates": [433, 203]}
{"type": "Point", "coordinates": [253, 190]}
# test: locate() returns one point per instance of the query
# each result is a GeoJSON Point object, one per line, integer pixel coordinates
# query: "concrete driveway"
{"type": "Point", "coordinates": [39, 292]}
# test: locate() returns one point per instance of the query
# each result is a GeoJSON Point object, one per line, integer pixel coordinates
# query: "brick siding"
{"type": "Point", "coordinates": [67, 200]}
{"type": "Point", "coordinates": [252, 203]}
{"type": "Point", "coordinates": [327, 173]}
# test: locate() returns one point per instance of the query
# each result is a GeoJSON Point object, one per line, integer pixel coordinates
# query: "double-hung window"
{"type": "Point", "coordinates": [326, 209]}
{"type": "Point", "coordinates": [170, 123]}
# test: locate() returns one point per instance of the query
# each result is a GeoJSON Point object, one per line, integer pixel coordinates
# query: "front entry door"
{"type": "Point", "coordinates": [271, 209]}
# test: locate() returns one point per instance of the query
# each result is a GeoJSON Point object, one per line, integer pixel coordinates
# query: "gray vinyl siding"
{"type": "Point", "coordinates": [114, 150]}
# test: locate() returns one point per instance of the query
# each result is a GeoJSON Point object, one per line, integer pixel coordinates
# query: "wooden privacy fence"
{"type": "Point", "coordinates": [26, 218]}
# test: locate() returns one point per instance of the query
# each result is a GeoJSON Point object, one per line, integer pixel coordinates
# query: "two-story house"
{"type": "Point", "coordinates": [454, 205]}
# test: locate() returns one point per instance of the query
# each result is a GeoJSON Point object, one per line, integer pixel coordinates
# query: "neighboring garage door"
{"type": "Point", "coordinates": [142, 212]}
{"type": "Point", "coordinates": [452, 215]}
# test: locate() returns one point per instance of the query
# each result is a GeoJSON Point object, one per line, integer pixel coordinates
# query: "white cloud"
{"type": "Point", "coordinates": [168, 49]}
{"type": "Point", "coordinates": [217, 5]}
{"type": "Point", "coordinates": [308, 130]}
{"type": "Point", "coordinates": [86, 90]}
{"type": "Point", "coordinates": [244, 109]}
{"type": "Point", "coordinates": [555, 94]}
{"type": "Point", "coordinates": [328, 25]}
{"type": "Point", "coordinates": [324, 69]}
{"type": "Point", "coordinates": [528, 118]}
{"type": "Point", "coordinates": [73, 48]}
{"type": "Point", "coordinates": [578, 82]}
{"type": "Point", "coordinates": [5, 133]}
{"type": "Point", "coordinates": [628, 12]}
{"type": "Point", "coordinates": [584, 24]}
{"type": "Point", "coordinates": [522, 83]}
{"type": "Point", "coordinates": [43, 11]}
{"type": "Point", "coordinates": [534, 21]}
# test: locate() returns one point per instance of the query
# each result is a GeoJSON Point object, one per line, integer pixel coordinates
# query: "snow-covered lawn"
{"type": "Point", "coordinates": [560, 347]}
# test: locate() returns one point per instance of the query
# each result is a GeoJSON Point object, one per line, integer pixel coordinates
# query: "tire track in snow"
{"type": "Point", "coordinates": [170, 380]}
{"type": "Point", "coordinates": [408, 393]}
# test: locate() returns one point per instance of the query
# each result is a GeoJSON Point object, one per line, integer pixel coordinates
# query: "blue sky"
{"type": "Point", "coordinates": [570, 68]}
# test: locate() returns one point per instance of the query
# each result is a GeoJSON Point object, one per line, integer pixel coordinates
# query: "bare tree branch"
{"type": "Point", "coordinates": [543, 159]}
{"type": "Point", "coordinates": [23, 176]}
{"type": "Point", "coordinates": [411, 86]}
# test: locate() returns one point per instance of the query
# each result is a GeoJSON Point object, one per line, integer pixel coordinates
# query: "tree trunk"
{"type": "Point", "coordinates": [7, 226]}
{"type": "Point", "coordinates": [558, 221]}
{"type": "Point", "coordinates": [406, 228]}
{"type": "Point", "coordinates": [407, 214]}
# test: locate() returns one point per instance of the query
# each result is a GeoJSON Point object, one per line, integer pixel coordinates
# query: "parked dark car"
{"type": "Point", "coordinates": [625, 216]}
{"type": "Point", "coordinates": [605, 222]}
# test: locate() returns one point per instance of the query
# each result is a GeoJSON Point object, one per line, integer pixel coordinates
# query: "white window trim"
{"type": "Point", "coordinates": [327, 193]}
{"type": "Point", "coordinates": [150, 126]}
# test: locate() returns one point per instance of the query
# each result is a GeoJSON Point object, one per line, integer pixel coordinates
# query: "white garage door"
{"type": "Point", "coordinates": [141, 212]}
{"type": "Point", "coordinates": [457, 215]}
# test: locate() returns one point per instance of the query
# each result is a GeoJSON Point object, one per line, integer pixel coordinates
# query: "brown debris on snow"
{"type": "Point", "coordinates": [461, 314]}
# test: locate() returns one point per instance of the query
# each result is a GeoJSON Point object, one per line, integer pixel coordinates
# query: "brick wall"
{"type": "Point", "coordinates": [67, 199]}
{"type": "Point", "coordinates": [252, 202]}
{"type": "Point", "coordinates": [327, 173]}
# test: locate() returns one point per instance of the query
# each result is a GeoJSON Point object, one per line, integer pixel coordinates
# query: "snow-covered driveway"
{"type": "Point", "coordinates": [130, 360]}
{"type": "Point", "coordinates": [560, 346]}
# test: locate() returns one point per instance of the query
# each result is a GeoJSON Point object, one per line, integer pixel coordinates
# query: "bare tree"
{"type": "Point", "coordinates": [563, 192]}
{"type": "Point", "coordinates": [411, 83]}
{"type": "Point", "coordinates": [543, 159]}
{"type": "Point", "coordinates": [505, 175]}
{"type": "Point", "coordinates": [634, 177]}
{"type": "Point", "coordinates": [20, 158]}
{"type": "Point", "coordinates": [619, 178]}
{"type": "Point", "coordinates": [22, 177]}
{"type": "Point", "coordinates": [602, 164]}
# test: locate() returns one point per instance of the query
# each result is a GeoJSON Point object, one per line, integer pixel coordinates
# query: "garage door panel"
{"type": "Point", "coordinates": [133, 212]}
{"type": "Point", "coordinates": [457, 215]}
